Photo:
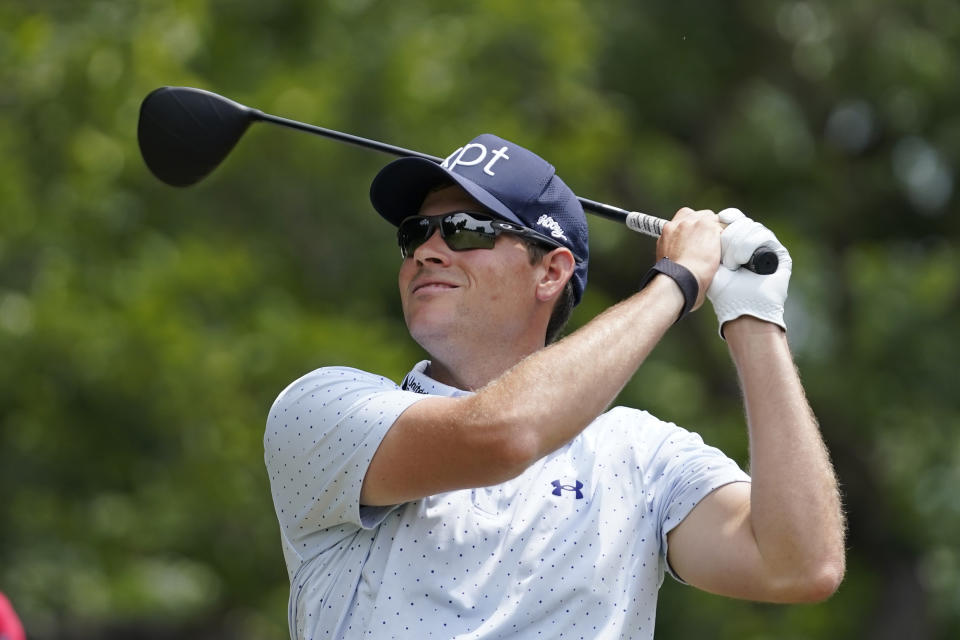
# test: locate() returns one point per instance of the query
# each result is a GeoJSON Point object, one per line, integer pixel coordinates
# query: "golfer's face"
{"type": "Point", "coordinates": [465, 295]}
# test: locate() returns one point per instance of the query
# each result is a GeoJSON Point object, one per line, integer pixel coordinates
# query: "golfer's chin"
{"type": "Point", "coordinates": [431, 326]}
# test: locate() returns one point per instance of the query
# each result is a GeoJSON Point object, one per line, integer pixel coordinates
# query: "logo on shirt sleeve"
{"type": "Point", "coordinates": [558, 488]}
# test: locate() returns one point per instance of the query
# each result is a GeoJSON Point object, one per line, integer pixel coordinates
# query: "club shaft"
{"type": "Point", "coordinates": [652, 225]}
{"type": "Point", "coordinates": [762, 261]}
{"type": "Point", "coordinates": [345, 137]}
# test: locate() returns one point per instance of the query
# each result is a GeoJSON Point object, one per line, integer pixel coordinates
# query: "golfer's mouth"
{"type": "Point", "coordinates": [431, 286]}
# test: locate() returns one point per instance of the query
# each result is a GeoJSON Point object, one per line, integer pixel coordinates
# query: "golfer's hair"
{"type": "Point", "coordinates": [564, 305]}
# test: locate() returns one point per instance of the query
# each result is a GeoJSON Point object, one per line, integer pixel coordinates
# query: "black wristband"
{"type": "Point", "coordinates": [682, 276]}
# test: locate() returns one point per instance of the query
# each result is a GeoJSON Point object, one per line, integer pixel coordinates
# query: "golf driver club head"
{"type": "Point", "coordinates": [185, 133]}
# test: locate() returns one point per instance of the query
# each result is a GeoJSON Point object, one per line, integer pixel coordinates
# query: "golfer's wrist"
{"type": "Point", "coordinates": [747, 327]}
{"type": "Point", "coordinates": [667, 294]}
{"type": "Point", "coordinates": [682, 282]}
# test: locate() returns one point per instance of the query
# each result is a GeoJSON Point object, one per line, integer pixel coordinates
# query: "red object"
{"type": "Point", "coordinates": [10, 627]}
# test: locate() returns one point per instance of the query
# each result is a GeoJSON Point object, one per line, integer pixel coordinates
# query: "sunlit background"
{"type": "Point", "coordinates": [145, 330]}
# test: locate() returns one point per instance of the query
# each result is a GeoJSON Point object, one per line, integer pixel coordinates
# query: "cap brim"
{"type": "Point", "coordinates": [400, 188]}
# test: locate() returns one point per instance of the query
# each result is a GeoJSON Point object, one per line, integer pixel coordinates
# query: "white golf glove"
{"type": "Point", "coordinates": [737, 292]}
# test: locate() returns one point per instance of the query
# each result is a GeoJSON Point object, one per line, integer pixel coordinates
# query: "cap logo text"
{"type": "Point", "coordinates": [473, 154]}
{"type": "Point", "coordinates": [555, 229]}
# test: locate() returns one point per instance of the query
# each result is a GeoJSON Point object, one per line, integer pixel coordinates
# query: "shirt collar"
{"type": "Point", "coordinates": [419, 382]}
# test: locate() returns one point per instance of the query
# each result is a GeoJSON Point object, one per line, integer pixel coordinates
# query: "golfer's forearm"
{"type": "Point", "coordinates": [795, 507]}
{"type": "Point", "coordinates": [550, 396]}
{"type": "Point", "coordinates": [542, 402]}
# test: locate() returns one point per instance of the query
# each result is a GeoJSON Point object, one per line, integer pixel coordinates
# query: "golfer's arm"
{"type": "Point", "coordinates": [442, 444]}
{"type": "Point", "coordinates": [780, 538]}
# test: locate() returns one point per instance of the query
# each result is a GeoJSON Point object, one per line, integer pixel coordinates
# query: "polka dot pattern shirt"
{"type": "Point", "coordinates": [574, 547]}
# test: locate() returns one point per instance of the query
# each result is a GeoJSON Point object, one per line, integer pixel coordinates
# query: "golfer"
{"type": "Point", "coordinates": [493, 493]}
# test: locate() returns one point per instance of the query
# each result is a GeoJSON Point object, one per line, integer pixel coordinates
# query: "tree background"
{"type": "Point", "coordinates": [145, 330]}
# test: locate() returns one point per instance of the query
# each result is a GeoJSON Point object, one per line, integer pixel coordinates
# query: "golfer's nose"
{"type": "Point", "coordinates": [434, 249]}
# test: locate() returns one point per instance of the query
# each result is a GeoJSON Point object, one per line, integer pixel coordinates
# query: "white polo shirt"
{"type": "Point", "coordinates": [575, 547]}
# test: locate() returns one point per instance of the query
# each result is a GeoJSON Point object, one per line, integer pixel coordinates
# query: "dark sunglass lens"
{"type": "Point", "coordinates": [412, 233]}
{"type": "Point", "coordinates": [464, 240]}
{"type": "Point", "coordinates": [464, 232]}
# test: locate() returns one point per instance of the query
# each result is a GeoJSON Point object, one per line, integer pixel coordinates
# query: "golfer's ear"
{"type": "Point", "coordinates": [558, 266]}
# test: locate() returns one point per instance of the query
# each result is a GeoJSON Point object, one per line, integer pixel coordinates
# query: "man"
{"type": "Point", "coordinates": [490, 495]}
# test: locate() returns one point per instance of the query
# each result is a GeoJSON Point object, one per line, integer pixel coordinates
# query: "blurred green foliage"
{"type": "Point", "coordinates": [145, 330]}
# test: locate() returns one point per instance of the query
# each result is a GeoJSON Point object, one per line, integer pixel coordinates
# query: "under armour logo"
{"type": "Point", "coordinates": [558, 488]}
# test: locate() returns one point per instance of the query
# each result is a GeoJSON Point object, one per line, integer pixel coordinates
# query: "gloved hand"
{"type": "Point", "coordinates": [737, 292]}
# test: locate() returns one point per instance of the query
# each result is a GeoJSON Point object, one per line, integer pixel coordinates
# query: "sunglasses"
{"type": "Point", "coordinates": [462, 231]}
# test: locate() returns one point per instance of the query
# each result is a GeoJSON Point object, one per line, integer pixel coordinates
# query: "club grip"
{"type": "Point", "coordinates": [762, 262]}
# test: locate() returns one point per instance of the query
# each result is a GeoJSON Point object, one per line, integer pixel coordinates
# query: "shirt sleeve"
{"type": "Point", "coordinates": [322, 432]}
{"type": "Point", "coordinates": [681, 472]}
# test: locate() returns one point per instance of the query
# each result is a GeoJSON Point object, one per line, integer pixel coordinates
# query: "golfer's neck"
{"type": "Point", "coordinates": [472, 371]}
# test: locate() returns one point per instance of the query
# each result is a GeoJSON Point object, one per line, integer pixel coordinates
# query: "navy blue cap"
{"type": "Point", "coordinates": [513, 183]}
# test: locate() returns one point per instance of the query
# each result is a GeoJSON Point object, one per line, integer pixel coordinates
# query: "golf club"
{"type": "Point", "coordinates": [185, 133]}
